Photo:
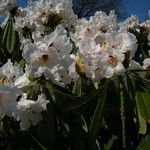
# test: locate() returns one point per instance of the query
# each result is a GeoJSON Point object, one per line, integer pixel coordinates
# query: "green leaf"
{"type": "Point", "coordinates": [10, 37]}
{"type": "Point", "coordinates": [38, 143]}
{"type": "Point", "coordinates": [110, 143]}
{"type": "Point", "coordinates": [144, 144]}
{"type": "Point", "coordinates": [77, 103]}
{"type": "Point", "coordinates": [143, 125]}
{"type": "Point", "coordinates": [50, 90]}
{"type": "Point", "coordinates": [78, 134]}
{"type": "Point", "coordinates": [143, 103]}
{"type": "Point", "coordinates": [5, 32]}
{"type": "Point", "coordinates": [143, 108]}
{"type": "Point", "coordinates": [66, 101]}
{"type": "Point", "coordinates": [83, 86]}
{"type": "Point", "coordinates": [45, 131]}
{"type": "Point", "coordinates": [132, 92]}
{"type": "Point", "coordinates": [77, 90]}
{"type": "Point", "coordinates": [97, 118]}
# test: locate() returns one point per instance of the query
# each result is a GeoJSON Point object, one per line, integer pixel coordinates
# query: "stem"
{"type": "Point", "coordinates": [122, 105]}
{"type": "Point", "coordinates": [138, 70]}
{"type": "Point", "coordinates": [123, 119]}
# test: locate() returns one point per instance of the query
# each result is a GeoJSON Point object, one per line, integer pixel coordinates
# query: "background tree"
{"type": "Point", "coordinates": [86, 8]}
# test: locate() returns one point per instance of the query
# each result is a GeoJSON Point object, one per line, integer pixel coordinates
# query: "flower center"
{"type": "Point", "coordinates": [103, 43]}
{"type": "Point", "coordinates": [45, 57]}
{"type": "Point", "coordinates": [112, 61]}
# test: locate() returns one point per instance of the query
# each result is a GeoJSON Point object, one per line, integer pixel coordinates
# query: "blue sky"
{"type": "Point", "coordinates": [137, 7]}
{"type": "Point", "coordinates": [22, 3]}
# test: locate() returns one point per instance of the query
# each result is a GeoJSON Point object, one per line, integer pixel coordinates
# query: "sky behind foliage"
{"type": "Point", "coordinates": [136, 7]}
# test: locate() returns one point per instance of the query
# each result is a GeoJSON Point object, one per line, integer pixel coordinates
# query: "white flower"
{"type": "Point", "coordinates": [146, 63]}
{"type": "Point", "coordinates": [8, 102]}
{"type": "Point", "coordinates": [52, 52]}
{"type": "Point", "coordinates": [100, 23]}
{"type": "Point", "coordinates": [131, 22]}
{"type": "Point", "coordinates": [51, 12]}
{"type": "Point", "coordinates": [103, 46]}
{"type": "Point", "coordinates": [112, 63]}
{"type": "Point", "coordinates": [103, 22]}
{"type": "Point", "coordinates": [23, 23]}
{"type": "Point", "coordinates": [8, 72]}
{"type": "Point", "coordinates": [61, 76]}
{"type": "Point", "coordinates": [23, 80]}
{"type": "Point", "coordinates": [146, 25]}
{"type": "Point", "coordinates": [59, 41]}
{"type": "Point", "coordinates": [39, 57]}
{"type": "Point", "coordinates": [126, 42]}
{"type": "Point", "coordinates": [133, 65]}
{"type": "Point", "coordinates": [6, 6]}
{"type": "Point", "coordinates": [30, 111]}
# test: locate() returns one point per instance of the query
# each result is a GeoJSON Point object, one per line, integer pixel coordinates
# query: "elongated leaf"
{"type": "Point", "coordinates": [97, 118]}
{"type": "Point", "coordinates": [50, 89]}
{"type": "Point", "coordinates": [110, 143]}
{"type": "Point", "coordinates": [144, 144]}
{"type": "Point", "coordinates": [143, 103]}
{"type": "Point", "coordinates": [78, 138]}
{"type": "Point", "coordinates": [78, 133]}
{"type": "Point", "coordinates": [6, 28]}
{"type": "Point", "coordinates": [10, 39]}
{"type": "Point", "coordinates": [9, 36]}
{"type": "Point", "coordinates": [45, 131]}
{"type": "Point", "coordinates": [78, 102]}
{"type": "Point", "coordinates": [67, 101]}
{"type": "Point", "coordinates": [77, 90]}
{"type": "Point", "coordinates": [143, 125]}
{"type": "Point", "coordinates": [141, 120]}
{"type": "Point", "coordinates": [83, 86]}
{"type": "Point", "coordinates": [40, 145]}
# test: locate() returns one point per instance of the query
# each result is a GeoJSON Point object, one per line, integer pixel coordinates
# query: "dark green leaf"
{"type": "Point", "coordinates": [83, 86]}
{"type": "Point", "coordinates": [110, 143]}
{"type": "Point", "coordinates": [142, 125]}
{"type": "Point", "coordinates": [38, 143]}
{"type": "Point", "coordinates": [143, 103]}
{"type": "Point", "coordinates": [45, 131]}
{"type": "Point", "coordinates": [78, 133]}
{"type": "Point", "coordinates": [144, 144]}
{"type": "Point", "coordinates": [97, 118]}
{"type": "Point", "coordinates": [10, 38]}
{"type": "Point", "coordinates": [77, 103]}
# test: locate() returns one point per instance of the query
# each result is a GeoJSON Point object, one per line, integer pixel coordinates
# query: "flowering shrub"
{"type": "Point", "coordinates": [69, 83]}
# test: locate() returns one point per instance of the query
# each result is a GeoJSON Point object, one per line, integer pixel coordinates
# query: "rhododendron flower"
{"type": "Point", "coordinates": [50, 56]}
{"type": "Point", "coordinates": [23, 80]}
{"type": "Point", "coordinates": [6, 6]}
{"type": "Point", "coordinates": [146, 63]}
{"type": "Point", "coordinates": [48, 13]}
{"type": "Point", "coordinates": [103, 46]}
{"type": "Point", "coordinates": [30, 111]}
{"type": "Point", "coordinates": [8, 73]}
{"type": "Point", "coordinates": [8, 97]}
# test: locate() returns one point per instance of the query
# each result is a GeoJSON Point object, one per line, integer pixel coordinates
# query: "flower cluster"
{"type": "Point", "coordinates": [104, 49]}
